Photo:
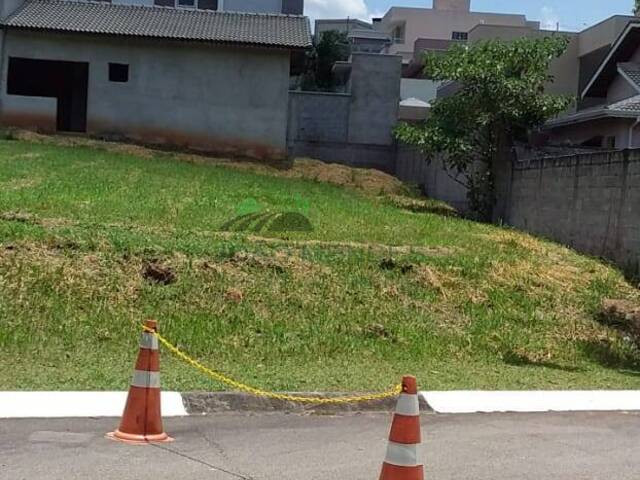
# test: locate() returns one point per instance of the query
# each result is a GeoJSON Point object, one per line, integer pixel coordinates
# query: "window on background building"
{"type": "Point", "coordinates": [464, 36]}
{"type": "Point", "coordinates": [118, 72]}
{"type": "Point", "coordinates": [186, 3]}
{"type": "Point", "coordinates": [398, 34]}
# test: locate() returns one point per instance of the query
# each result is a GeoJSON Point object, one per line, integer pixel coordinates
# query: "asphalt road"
{"type": "Point", "coordinates": [592, 446]}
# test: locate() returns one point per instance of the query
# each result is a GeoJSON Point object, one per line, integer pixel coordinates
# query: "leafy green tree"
{"type": "Point", "coordinates": [501, 96]}
{"type": "Point", "coordinates": [636, 9]}
{"type": "Point", "coordinates": [332, 47]}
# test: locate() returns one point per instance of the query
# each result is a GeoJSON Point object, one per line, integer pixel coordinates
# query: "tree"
{"type": "Point", "coordinates": [636, 9]}
{"type": "Point", "coordinates": [500, 98]}
{"type": "Point", "coordinates": [332, 47]}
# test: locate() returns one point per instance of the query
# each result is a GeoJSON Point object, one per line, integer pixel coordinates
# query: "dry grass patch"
{"type": "Point", "coordinates": [422, 205]}
{"type": "Point", "coordinates": [20, 183]}
{"type": "Point", "coordinates": [366, 180]}
{"type": "Point", "coordinates": [73, 141]}
{"type": "Point", "coordinates": [81, 276]}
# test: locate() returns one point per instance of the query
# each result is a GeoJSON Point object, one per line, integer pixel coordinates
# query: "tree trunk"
{"type": "Point", "coordinates": [502, 171]}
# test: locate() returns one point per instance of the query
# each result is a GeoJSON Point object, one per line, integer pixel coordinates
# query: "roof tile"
{"type": "Point", "coordinates": [290, 31]}
{"type": "Point", "coordinates": [631, 104]}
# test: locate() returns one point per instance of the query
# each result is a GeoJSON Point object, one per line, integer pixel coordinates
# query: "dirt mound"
{"type": "Point", "coordinates": [367, 180]}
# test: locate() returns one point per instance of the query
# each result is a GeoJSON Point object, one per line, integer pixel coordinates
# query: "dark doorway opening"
{"type": "Point", "coordinates": [66, 81]}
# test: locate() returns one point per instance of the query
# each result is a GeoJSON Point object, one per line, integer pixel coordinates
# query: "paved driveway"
{"type": "Point", "coordinates": [598, 446]}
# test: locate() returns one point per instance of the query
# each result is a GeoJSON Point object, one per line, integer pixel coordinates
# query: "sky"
{"type": "Point", "coordinates": [573, 15]}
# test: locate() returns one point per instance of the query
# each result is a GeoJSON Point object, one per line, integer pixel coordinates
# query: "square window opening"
{"type": "Point", "coordinates": [118, 72]}
{"type": "Point", "coordinates": [461, 36]}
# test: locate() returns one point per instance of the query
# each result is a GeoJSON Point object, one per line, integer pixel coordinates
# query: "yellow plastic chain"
{"type": "Point", "coordinates": [222, 378]}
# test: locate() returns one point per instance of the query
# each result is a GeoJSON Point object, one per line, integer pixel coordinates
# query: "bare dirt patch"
{"type": "Point", "coordinates": [623, 315]}
{"type": "Point", "coordinates": [156, 272]}
{"type": "Point", "coordinates": [234, 295]}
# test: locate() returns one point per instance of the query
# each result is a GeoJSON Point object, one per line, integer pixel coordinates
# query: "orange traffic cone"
{"type": "Point", "coordinates": [401, 462]}
{"type": "Point", "coordinates": [142, 419]}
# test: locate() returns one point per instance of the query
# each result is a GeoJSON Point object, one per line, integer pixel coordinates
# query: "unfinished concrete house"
{"type": "Point", "coordinates": [188, 74]}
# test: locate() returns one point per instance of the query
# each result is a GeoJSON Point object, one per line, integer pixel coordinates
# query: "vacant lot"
{"type": "Point", "coordinates": [92, 241]}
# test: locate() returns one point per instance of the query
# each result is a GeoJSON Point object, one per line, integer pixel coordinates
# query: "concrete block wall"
{"type": "Point", "coordinates": [375, 98]}
{"type": "Point", "coordinates": [431, 177]}
{"type": "Point", "coordinates": [353, 128]}
{"type": "Point", "coordinates": [318, 117]}
{"type": "Point", "coordinates": [588, 201]}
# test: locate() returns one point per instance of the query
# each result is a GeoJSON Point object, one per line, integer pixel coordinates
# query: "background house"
{"type": "Point", "coordinates": [209, 80]}
{"type": "Point", "coordinates": [447, 20]}
{"type": "Point", "coordinates": [608, 113]}
{"type": "Point", "coordinates": [410, 32]}
{"type": "Point", "coordinates": [342, 25]}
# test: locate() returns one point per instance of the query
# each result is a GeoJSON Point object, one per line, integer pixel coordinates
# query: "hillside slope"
{"type": "Point", "coordinates": [92, 241]}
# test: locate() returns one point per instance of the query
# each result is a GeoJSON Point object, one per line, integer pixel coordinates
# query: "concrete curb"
{"type": "Point", "coordinates": [205, 403]}
{"type": "Point", "coordinates": [533, 401]}
{"type": "Point", "coordinates": [174, 404]}
{"type": "Point", "coordinates": [77, 404]}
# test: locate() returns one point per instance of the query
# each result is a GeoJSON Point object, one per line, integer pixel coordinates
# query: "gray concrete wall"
{"type": "Point", "coordinates": [603, 34]}
{"type": "Point", "coordinates": [375, 98]}
{"type": "Point", "coordinates": [353, 128]}
{"type": "Point", "coordinates": [257, 6]}
{"type": "Point", "coordinates": [589, 202]}
{"type": "Point", "coordinates": [293, 7]}
{"type": "Point", "coordinates": [30, 112]}
{"type": "Point", "coordinates": [319, 128]}
{"type": "Point", "coordinates": [620, 89]}
{"type": "Point", "coordinates": [318, 117]}
{"type": "Point", "coordinates": [431, 177]}
{"type": "Point", "coordinates": [458, 5]}
{"type": "Point", "coordinates": [7, 7]}
{"type": "Point", "coordinates": [221, 99]}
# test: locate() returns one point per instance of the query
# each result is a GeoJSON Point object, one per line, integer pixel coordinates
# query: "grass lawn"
{"type": "Point", "coordinates": [374, 291]}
